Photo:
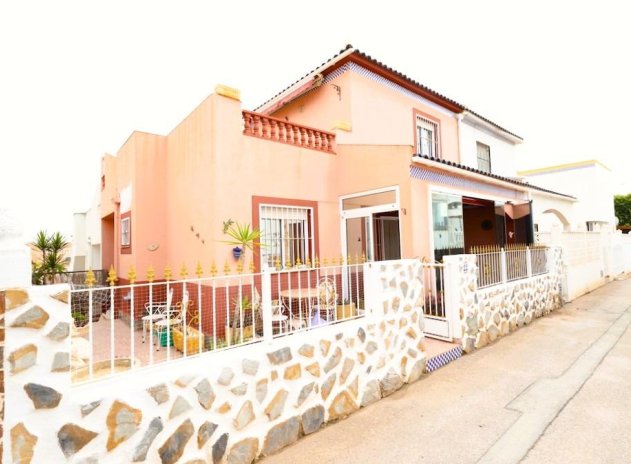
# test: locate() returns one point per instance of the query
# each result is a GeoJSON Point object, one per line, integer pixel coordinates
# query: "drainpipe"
{"type": "Point", "coordinates": [117, 222]}
{"type": "Point", "coordinates": [459, 118]}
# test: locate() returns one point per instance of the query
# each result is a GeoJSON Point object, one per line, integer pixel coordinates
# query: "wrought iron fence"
{"type": "Point", "coordinates": [124, 327]}
{"type": "Point", "coordinates": [434, 290]}
{"type": "Point", "coordinates": [489, 260]}
{"type": "Point", "coordinates": [75, 277]}
{"type": "Point", "coordinates": [500, 265]}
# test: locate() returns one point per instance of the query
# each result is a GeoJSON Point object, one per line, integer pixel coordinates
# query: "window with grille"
{"type": "Point", "coordinates": [484, 157]}
{"type": "Point", "coordinates": [286, 236]}
{"type": "Point", "coordinates": [426, 137]}
{"type": "Point", "coordinates": [126, 232]}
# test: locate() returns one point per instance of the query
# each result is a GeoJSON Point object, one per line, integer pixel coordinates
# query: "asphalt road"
{"type": "Point", "coordinates": [556, 391]}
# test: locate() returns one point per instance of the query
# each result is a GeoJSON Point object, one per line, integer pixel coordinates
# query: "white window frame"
{"type": "Point", "coordinates": [368, 212]}
{"type": "Point", "coordinates": [424, 124]}
{"type": "Point", "coordinates": [126, 232]}
{"type": "Point", "coordinates": [478, 145]}
{"type": "Point", "coordinates": [283, 213]}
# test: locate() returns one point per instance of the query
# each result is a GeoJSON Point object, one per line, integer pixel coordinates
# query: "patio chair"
{"type": "Point", "coordinates": [172, 317]}
{"type": "Point", "coordinates": [327, 298]}
{"type": "Point", "coordinates": [156, 311]}
{"type": "Point", "coordinates": [279, 320]}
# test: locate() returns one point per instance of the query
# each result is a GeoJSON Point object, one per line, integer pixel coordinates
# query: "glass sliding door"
{"type": "Point", "coordinates": [448, 231]}
{"type": "Point", "coordinates": [370, 225]}
{"type": "Point", "coordinates": [359, 238]}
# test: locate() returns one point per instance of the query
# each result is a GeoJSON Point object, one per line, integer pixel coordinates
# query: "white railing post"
{"type": "Point", "coordinates": [372, 291]}
{"type": "Point", "coordinates": [266, 304]}
{"type": "Point", "coordinates": [452, 292]}
{"type": "Point", "coordinates": [90, 333]}
{"type": "Point", "coordinates": [504, 267]}
{"type": "Point", "coordinates": [528, 262]}
{"type": "Point", "coordinates": [132, 325]}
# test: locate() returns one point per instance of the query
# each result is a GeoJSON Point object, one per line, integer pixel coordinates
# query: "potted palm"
{"type": "Point", "coordinates": [243, 236]}
{"type": "Point", "coordinates": [241, 320]}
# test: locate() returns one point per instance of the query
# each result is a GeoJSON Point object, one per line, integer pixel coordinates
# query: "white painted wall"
{"type": "Point", "coordinates": [503, 151]}
{"type": "Point", "coordinates": [592, 185]}
{"type": "Point", "coordinates": [86, 241]}
{"type": "Point", "coordinates": [547, 222]}
{"type": "Point", "coordinates": [15, 256]}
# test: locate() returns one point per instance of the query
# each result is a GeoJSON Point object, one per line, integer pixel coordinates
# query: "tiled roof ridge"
{"type": "Point", "coordinates": [348, 47]}
{"type": "Point", "coordinates": [398, 74]}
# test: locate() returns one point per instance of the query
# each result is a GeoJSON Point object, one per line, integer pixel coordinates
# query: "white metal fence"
{"type": "Point", "coordinates": [124, 327]}
{"type": "Point", "coordinates": [490, 266]}
{"type": "Point", "coordinates": [498, 265]}
{"type": "Point", "coordinates": [433, 287]}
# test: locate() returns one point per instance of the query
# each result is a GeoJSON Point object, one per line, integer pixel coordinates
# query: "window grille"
{"type": "Point", "coordinates": [427, 137]}
{"type": "Point", "coordinates": [484, 157]}
{"type": "Point", "coordinates": [125, 232]}
{"type": "Point", "coordinates": [286, 236]}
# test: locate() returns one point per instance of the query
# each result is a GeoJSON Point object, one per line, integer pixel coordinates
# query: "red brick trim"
{"type": "Point", "coordinates": [258, 200]}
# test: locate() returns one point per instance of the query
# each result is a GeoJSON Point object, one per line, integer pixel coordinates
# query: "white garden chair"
{"type": "Point", "coordinates": [172, 318]}
{"type": "Point", "coordinates": [156, 311]}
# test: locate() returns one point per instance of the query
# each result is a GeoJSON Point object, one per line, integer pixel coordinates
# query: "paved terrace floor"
{"type": "Point", "coordinates": [145, 355]}
{"type": "Point", "coordinates": [556, 391]}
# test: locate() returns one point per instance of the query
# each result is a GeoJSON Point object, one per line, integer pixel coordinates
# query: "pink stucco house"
{"type": "Point", "coordinates": [352, 159]}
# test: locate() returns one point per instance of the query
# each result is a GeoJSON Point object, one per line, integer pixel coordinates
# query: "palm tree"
{"type": "Point", "coordinates": [55, 260]}
{"type": "Point", "coordinates": [42, 243]}
{"type": "Point", "coordinates": [52, 262]}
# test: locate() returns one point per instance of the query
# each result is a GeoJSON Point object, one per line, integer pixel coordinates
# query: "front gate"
{"type": "Point", "coordinates": [435, 303]}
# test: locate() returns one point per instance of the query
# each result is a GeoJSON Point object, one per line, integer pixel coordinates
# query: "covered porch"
{"type": "Point", "coordinates": [471, 209]}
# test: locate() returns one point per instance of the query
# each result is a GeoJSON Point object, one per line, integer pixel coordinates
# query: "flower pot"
{"type": "Point", "coordinates": [237, 252]}
{"type": "Point", "coordinates": [165, 338]}
{"type": "Point", "coordinates": [192, 339]}
{"type": "Point", "coordinates": [233, 334]}
{"type": "Point", "coordinates": [345, 311]}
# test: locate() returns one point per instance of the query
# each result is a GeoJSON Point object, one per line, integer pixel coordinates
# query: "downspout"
{"type": "Point", "coordinates": [117, 225]}
{"type": "Point", "coordinates": [459, 118]}
{"type": "Point", "coordinates": [531, 229]}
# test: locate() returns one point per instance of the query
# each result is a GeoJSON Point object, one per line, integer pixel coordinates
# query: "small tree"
{"type": "Point", "coordinates": [622, 206]}
{"type": "Point", "coordinates": [52, 261]}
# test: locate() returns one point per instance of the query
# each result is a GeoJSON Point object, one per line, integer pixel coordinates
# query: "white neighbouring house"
{"type": "Point", "coordinates": [486, 146]}
{"type": "Point", "coordinates": [590, 182]}
{"type": "Point", "coordinates": [593, 252]}
{"type": "Point", "coordinates": [86, 243]}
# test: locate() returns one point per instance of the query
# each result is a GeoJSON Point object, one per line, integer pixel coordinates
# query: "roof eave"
{"type": "Point", "coordinates": [285, 97]}
{"type": "Point", "coordinates": [475, 119]}
{"type": "Point", "coordinates": [488, 179]}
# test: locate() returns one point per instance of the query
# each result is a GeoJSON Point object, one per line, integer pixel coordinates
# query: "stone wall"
{"type": "Point", "coordinates": [228, 406]}
{"type": "Point", "coordinates": [490, 313]}
{"type": "Point", "coordinates": [2, 305]}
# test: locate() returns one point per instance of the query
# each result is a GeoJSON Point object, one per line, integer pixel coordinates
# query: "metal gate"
{"type": "Point", "coordinates": [434, 302]}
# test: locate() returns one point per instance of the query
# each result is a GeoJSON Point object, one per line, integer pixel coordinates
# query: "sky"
{"type": "Point", "coordinates": [79, 76]}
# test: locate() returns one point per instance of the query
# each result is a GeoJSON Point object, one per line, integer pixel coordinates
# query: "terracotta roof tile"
{"type": "Point", "coordinates": [491, 175]}
{"type": "Point", "coordinates": [398, 74]}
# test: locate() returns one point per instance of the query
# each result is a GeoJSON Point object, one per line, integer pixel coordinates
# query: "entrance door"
{"type": "Point", "coordinates": [387, 241]}
{"type": "Point", "coordinates": [373, 237]}
{"type": "Point", "coordinates": [370, 225]}
{"type": "Point", "coordinates": [369, 228]}
{"type": "Point", "coordinates": [359, 238]}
